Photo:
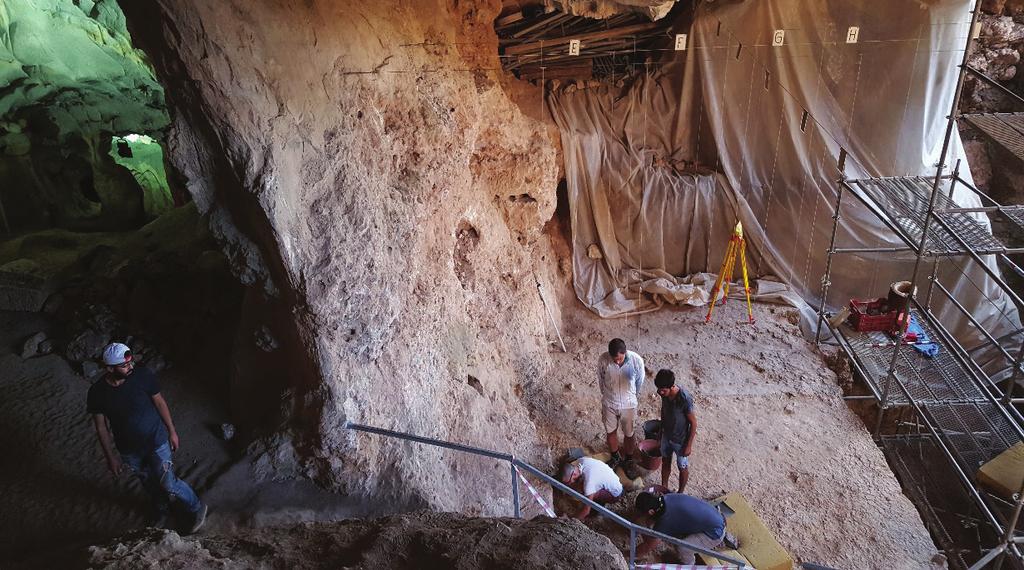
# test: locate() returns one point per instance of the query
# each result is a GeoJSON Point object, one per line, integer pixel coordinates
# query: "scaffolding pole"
{"type": "Point", "coordinates": [1009, 541]}
{"type": "Point", "coordinates": [826, 280]}
{"type": "Point", "coordinates": [971, 418]}
{"type": "Point", "coordinates": [950, 126]}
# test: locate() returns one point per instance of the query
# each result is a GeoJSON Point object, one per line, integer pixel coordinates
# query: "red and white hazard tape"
{"type": "Point", "coordinates": [665, 566]}
{"type": "Point", "coordinates": [547, 508]}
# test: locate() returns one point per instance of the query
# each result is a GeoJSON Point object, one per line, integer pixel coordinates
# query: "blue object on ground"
{"type": "Point", "coordinates": [923, 344]}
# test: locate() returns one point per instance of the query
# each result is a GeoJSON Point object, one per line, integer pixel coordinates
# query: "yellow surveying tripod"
{"type": "Point", "coordinates": [736, 245]}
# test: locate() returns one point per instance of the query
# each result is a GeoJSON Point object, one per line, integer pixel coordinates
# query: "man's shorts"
{"type": "Point", "coordinates": [615, 419]}
{"type": "Point", "coordinates": [604, 497]}
{"type": "Point", "coordinates": [670, 447]}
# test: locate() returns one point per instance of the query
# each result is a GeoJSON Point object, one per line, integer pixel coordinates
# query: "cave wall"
{"type": "Point", "coordinates": [368, 176]}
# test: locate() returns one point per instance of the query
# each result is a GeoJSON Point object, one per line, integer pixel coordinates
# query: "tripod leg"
{"type": "Point", "coordinates": [714, 293]}
{"type": "Point", "coordinates": [746, 281]}
{"type": "Point", "coordinates": [731, 262]}
{"type": "Point", "coordinates": [718, 284]}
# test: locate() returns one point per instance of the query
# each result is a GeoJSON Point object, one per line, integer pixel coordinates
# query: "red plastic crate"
{"type": "Point", "coordinates": [861, 321]}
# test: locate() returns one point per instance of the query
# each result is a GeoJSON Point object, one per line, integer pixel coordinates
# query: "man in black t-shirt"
{"type": "Point", "coordinates": [128, 403]}
{"type": "Point", "coordinates": [678, 427]}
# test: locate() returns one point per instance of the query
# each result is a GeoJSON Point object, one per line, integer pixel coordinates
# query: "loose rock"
{"type": "Point", "coordinates": [90, 369]}
{"type": "Point", "coordinates": [46, 347]}
{"type": "Point", "coordinates": [31, 346]}
{"type": "Point", "coordinates": [264, 339]}
{"type": "Point", "coordinates": [87, 345]}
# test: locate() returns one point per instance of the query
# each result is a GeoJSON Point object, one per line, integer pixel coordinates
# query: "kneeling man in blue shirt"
{"type": "Point", "coordinates": [682, 516]}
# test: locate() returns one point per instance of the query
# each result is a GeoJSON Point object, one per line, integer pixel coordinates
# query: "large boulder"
{"type": "Point", "coordinates": [421, 540]}
{"type": "Point", "coordinates": [997, 53]}
{"type": "Point", "coordinates": [86, 345]}
{"type": "Point", "coordinates": [24, 285]}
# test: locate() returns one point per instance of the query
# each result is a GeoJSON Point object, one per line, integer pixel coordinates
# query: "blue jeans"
{"type": "Point", "coordinates": [154, 470]}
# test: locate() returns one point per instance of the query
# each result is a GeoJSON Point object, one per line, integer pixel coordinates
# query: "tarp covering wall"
{"type": "Point", "coordinates": [659, 169]}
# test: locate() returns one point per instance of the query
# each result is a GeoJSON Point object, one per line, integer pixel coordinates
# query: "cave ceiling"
{"type": "Point", "coordinates": [68, 70]}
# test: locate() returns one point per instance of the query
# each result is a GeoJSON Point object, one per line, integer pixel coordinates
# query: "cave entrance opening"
{"type": "Point", "coordinates": [144, 158]}
{"type": "Point", "coordinates": [98, 244]}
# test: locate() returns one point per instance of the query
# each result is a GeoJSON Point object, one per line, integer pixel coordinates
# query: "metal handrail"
{"type": "Point", "coordinates": [634, 529]}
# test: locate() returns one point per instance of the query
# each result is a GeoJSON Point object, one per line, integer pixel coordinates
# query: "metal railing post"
{"type": "Point", "coordinates": [935, 264]}
{"type": "Point", "coordinates": [515, 489]}
{"type": "Point", "coordinates": [517, 464]}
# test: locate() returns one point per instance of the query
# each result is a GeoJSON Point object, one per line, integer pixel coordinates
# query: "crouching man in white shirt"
{"type": "Point", "coordinates": [594, 479]}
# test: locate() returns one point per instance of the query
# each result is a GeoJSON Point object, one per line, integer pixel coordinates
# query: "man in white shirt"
{"type": "Point", "coordinates": [620, 374]}
{"type": "Point", "coordinates": [594, 479]}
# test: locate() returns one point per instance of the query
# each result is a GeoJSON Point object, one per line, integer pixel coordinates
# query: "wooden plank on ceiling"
{"type": "Point", "coordinates": [604, 34]}
{"type": "Point", "coordinates": [585, 71]}
{"type": "Point", "coordinates": [543, 21]}
{"type": "Point", "coordinates": [510, 19]}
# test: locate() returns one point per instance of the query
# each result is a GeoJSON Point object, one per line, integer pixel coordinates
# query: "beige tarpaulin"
{"type": "Point", "coordinates": [735, 128]}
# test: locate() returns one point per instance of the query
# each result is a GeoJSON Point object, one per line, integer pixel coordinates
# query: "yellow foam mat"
{"type": "Point", "coordinates": [757, 544]}
{"type": "Point", "coordinates": [731, 554]}
{"type": "Point", "coordinates": [1005, 473]}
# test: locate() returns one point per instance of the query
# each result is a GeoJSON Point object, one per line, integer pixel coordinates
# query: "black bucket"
{"type": "Point", "coordinates": [652, 429]}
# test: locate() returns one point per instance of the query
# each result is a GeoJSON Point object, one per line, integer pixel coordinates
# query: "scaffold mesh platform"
{"type": "Point", "coordinates": [1014, 213]}
{"type": "Point", "coordinates": [1004, 129]}
{"type": "Point", "coordinates": [903, 202]}
{"type": "Point", "coordinates": [928, 380]}
{"type": "Point", "coordinates": [976, 432]}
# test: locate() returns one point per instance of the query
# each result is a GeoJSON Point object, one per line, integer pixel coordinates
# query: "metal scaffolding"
{"type": "Point", "coordinates": [961, 417]}
{"type": "Point", "coordinates": [1003, 129]}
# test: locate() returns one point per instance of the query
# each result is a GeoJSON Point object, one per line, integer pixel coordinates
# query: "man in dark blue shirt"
{"type": "Point", "coordinates": [682, 516]}
{"type": "Point", "coordinates": [678, 427]}
{"type": "Point", "coordinates": [128, 403]}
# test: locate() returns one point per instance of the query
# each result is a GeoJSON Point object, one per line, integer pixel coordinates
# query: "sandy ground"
{"type": "Point", "coordinates": [772, 425]}
{"type": "Point", "coordinates": [55, 480]}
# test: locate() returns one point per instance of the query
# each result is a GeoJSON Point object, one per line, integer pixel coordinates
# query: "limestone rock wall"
{"type": "Point", "coordinates": [367, 173]}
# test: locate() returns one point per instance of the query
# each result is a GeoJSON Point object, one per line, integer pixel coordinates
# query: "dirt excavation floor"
{"type": "Point", "coordinates": [772, 425]}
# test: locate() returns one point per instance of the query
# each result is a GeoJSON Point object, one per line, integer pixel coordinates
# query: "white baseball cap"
{"type": "Point", "coordinates": [116, 354]}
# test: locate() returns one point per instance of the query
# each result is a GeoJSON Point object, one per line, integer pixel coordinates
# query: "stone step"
{"type": "Point", "coordinates": [22, 291]}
